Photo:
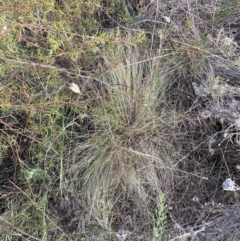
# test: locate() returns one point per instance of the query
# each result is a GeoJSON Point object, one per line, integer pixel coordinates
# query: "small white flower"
{"type": "Point", "coordinates": [74, 87]}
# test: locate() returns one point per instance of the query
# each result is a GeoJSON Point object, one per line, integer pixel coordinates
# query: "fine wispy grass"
{"type": "Point", "coordinates": [128, 154]}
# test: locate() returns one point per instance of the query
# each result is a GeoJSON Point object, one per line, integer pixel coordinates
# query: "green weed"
{"type": "Point", "coordinates": [161, 220]}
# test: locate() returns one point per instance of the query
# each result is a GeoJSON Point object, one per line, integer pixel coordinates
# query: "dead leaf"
{"type": "Point", "coordinates": [168, 20]}
{"type": "Point", "coordinates": [74, 87]}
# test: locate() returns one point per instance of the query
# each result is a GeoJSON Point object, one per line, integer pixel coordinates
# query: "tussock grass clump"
{"type": "Point", "coordinates": [129, 155]}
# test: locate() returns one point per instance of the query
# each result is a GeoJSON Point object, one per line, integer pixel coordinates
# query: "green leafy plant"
{"type": "Point", "coordinates": [35, 174]}
{"type": "Point", "coordinates": [160, 221]}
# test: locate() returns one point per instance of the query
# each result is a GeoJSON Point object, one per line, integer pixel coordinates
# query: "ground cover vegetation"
{"type": "Point", "coordinates": [119, 120]}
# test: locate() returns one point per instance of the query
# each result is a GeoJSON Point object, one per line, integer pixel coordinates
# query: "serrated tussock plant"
{"type": "Point", "coordinates": [129, 154]}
